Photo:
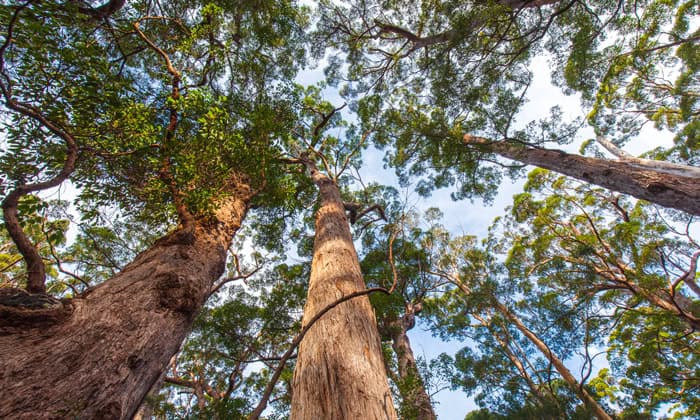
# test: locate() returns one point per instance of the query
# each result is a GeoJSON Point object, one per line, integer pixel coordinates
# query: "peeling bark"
{"type": "Point", "coordinates": [102, 359]}
{"type": "Point", "coordinates": [339, 372]}
{"type": "Point", "coordinates": [663, 188]}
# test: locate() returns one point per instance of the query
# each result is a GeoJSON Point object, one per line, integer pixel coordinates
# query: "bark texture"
{"type": "Point", "coordinates": [663, 188]}
{"type": "Point", "coordinates": [412, 387]}
{"type": "Point", "coordinates": [101, 358]}
{"type": "Point", "coordinates": [339, 372]}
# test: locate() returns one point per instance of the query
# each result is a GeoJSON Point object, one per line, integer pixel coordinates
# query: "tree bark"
{"type": "Point", "coordinates": [663, 188]}
{"type": "Point", "coordinates": [339, 372]}
{"type": "Point", "coordinates": [413, 389]}
{"type": "Point", "coordinates": [112, 344]}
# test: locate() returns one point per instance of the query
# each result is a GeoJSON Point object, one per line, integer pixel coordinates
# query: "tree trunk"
{"type": "Point", "coordinates": [412, 387]}
{"type": "Point", "coordinates": [339, 372]}
{"type": "Point", "coordinates": [515, 360]}
{"type": "Point", "coordinates": [663, 188]}
{"type": "Point", "coordinates": [111, 345]}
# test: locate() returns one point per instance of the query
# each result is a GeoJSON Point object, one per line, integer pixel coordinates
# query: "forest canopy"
{"type": "Point", "coordinates": [200, 217]}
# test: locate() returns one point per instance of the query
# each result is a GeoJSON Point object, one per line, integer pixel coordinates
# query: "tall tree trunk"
{"type": "Point", "coordinates": [339, 371]}
{"type": "Point", "coordinates": [412, 387]}
{"type": "Point", "coordinates": [100, 354]}
{"type": "Point", "coordinates": [656, 186]}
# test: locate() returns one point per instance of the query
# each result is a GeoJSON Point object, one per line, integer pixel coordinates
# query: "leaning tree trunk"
{"type": "Point", "coordinates": [504, 342]}
{"type": "Point", "coordinates": [339, 371]}
{"type": "Point", "coordinates": [98, 355]}
{"type": "Point", "coordinates": [656, 186]}
{"type": "Point", "coordinates": [558, 364]}
{"type": "Point", "coordinates": [411, 387]}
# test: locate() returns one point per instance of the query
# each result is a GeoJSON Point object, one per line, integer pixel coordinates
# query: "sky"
{"type": "Point", "coordinates": [460, 217]}
{"type": "Point", "coordinates": [463, 217]}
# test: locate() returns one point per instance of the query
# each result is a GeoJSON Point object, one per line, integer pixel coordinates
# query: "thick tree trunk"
{"type": "Point", "coordinates": [339, 372]}
{"type": "Point", "coordinates": [412, 389]}
{"type": "Point", "coordinates": [111, 345]}
{"type": "Point", "coordinates": [663, 188]}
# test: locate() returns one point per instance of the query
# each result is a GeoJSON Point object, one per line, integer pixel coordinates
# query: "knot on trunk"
{"type": "Point", "coordinates": [21, 309]}
{"type": "Point", "coordinates": [176, 294]}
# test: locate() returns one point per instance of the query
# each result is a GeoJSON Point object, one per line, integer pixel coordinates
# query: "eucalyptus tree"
{"type": "Point", "coordinates": [591, 247]}
{"type": "Point", "coordinates": [166, 112]}
{"type": "Point", "coordinates": [393, 253]}
{"type": "Point", "coordinates": [339, 371]}
{"type": "Point", "coordinates": [218, 366]}
{"type": "Point", "coordinates": [450, 78]}
{"type": "Point", "coordinates": [480, 291]}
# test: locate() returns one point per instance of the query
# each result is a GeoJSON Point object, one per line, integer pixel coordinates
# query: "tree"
{"type": "Point", "coordinates": [397, 313]}
{"type": "Point", "coordinates": [635, 270]}
{"type": "Point", "coordinates": [130, 108]}
{"type": "Point", "coordinates": [414, 57]}
{"type": "Point", "coordinates": [339, 370]}
{"type": "Point", "coordinates": [217, 365]}
{"type": "Point", "coordinates": [471, 271]}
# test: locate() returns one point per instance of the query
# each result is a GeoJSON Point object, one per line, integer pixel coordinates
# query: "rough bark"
{"type": "Point", "coordinates": [339, 372]}
{"type": "Point", "coordinates": [663, 188]}
{"type": "Point", "coordinates": [101, 358]}
{"type": "Point", "coordinates": [413, 389]}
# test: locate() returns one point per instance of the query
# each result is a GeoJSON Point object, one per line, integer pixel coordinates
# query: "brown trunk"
{"type": "Point", "coordinates": [102, 358]}
{"type": "Point", "coordinates": [666, 189]}
{"type": "Point", "coordinates": [339, 372]}
{"type": "Point", "coordinates": [412, 389]}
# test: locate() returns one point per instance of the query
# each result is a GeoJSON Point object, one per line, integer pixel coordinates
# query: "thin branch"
{"type": "Point", "coordinates": [36, 271]}
{"type": "Point", "coordinates": [255, 415]}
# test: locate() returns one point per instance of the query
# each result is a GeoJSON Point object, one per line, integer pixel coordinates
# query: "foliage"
{"type": "Point", "coordinates": [234, 348]}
